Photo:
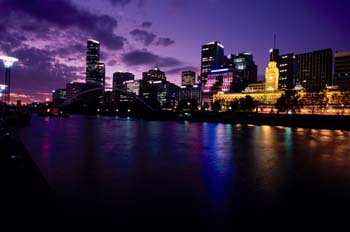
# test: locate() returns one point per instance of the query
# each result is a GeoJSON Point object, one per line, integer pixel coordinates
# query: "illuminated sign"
{"type": "Point", "coordinates": [219, 70]}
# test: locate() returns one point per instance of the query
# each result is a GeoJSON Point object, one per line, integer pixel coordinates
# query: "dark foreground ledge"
{"type": "Point", "coordinates": [24, 191]}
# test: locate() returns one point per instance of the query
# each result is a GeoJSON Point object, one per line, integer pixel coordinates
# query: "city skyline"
{"type": "Point", "coordinates": [51, 48]}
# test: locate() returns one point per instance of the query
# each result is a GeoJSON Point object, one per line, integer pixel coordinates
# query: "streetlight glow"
{"type": "Point", "coordinates": [8, 61]}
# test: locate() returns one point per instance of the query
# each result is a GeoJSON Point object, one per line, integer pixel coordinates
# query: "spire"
{"type": "Point", "coordinates": [274, 41]}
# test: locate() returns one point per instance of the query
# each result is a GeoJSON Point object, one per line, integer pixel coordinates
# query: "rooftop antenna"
{"type": "Point", "coordinates": [274, 41]}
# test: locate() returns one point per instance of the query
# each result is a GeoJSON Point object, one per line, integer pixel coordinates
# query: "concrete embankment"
{"type": "Point", "coordinates": [24, 191]}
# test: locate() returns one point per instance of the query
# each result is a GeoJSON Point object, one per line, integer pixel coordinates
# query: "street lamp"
{"type": "Point", "coordinates": [8, 63]}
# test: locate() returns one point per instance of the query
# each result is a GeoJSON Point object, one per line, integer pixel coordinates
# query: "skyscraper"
{"type": "Point", "coordinates": [315, 69]}
{"type": "Point", "coordinates": [342, 70]}
{"type": "Point", "coordinates": [245, 71]}
{"type": "Point", "coordinates": [95, 70]}
{"type": "Point", "coordinates": [120, 79]}
{"type": "Point", "coordinates": [101, 73]}
{"type": "Point", "coordinates": [188, 78]}
{"type": "Point", "coordinates": [212, 57]}
{"type": "Point", "coordinates": [153, 74]}
{"type": "Point", "coordinates": [287, 69]}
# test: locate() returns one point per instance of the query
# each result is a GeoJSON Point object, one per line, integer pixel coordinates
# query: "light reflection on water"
{"type": "Point", "coordinates": [208, 166]}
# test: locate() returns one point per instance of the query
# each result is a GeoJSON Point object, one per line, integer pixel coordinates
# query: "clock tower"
{"type": "Point", "coordinates": [271, 77]}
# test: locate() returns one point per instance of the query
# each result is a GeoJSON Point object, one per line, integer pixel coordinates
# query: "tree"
{"type": "Point", "coordinates": [217, 106]}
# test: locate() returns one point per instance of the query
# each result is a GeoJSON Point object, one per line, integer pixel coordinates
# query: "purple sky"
{"type": "Point", "coordinates": [49, 36]}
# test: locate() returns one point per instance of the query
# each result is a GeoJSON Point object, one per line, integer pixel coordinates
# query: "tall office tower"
{"type": "Point", "coordinates": [315, 69]}
{"type": "Point", "coordinates": [100, 74]}
{"type": "Point", "coordinates": [342, 70]}
{"type": "Point", "coordinates": [245, 69]}
{"type": "Point", "coordinates": [153, 74]}
{"type": "Point", "coordinates": [92, 60]}
{"type": "Point", "coordinates": [212, 57]}
{"type": "Point", "coordinates": [188, 78]}
{"type": "Point", "coordinates": [120, 79]}
{"type": "Point", "coordinates": [287, 68]}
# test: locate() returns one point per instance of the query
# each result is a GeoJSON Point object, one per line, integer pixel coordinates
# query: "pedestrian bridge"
{"type": "Point", "coordinates": [130, 94]}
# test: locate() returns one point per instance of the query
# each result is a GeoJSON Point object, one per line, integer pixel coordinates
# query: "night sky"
{"type": "Point", "coordinates": [49, 36]}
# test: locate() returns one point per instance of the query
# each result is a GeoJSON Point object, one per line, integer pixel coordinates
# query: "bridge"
{"type": "Point", "coordinates": [148, 106]}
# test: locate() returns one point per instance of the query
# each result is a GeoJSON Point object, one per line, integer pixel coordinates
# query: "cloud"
{"type": "Point", "coordinates": [144, 57]}
{"type": "Point", "coordinates": [111, 62]}
{"type": "Point", "coordinates": [143, 36]}
{"type": "Point", "coordinates": [165, 42]}
{"type": "Point", "coordinates": [63, 14]}
{"type": "Point", "coordinates": [120, 2]}
{"type": "Point", "coordinates": [146, 24]}
{"type": "Point", "coordinates": [181, 69]}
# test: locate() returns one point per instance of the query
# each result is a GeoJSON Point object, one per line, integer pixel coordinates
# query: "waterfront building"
{"type": "Point", "coordinates": [212, 57]}
{"type": "Point", "coordinates": [266, 93]}
{"type": "Point", "coordinates": [287, 71]}
{"type": "Point", "coordinates": [271, 77]}
{"type": "Point", "coordinates": [131, 86]}
{"type": "Point", "coordinates": [245, 70]}
{"type": "Point", "coordinates": [120, 79]}
{"type": "Point", "coordinates": [219, 80]}
{"type": "Point", "coordinates": [190, 93]}
{"type": "Point", "coordinates": [157, 91]}
{"type": "Point", "coordinates": [59, 96]}
{"type": "Point", "coordinates": [188, 78]}
{"type": "Point", "coordinates": [315, 69]}
{"type": "Point", "coordinates": [342, 70]}
{"type": "Point", "coordinates": [154, 75]}
{"type": "Point", "coordinates": [75, 91]}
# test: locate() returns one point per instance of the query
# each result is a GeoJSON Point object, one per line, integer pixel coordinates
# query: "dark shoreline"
{"type": "Point", "coordinates": [24, 190]}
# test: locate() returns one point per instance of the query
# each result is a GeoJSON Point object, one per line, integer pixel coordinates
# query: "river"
{"type": "Point", "coordinates": [192, 173]}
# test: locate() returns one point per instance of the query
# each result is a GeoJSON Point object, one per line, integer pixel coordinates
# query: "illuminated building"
{"type": "Point", "coordinates": [212, 57]}
{"type": "Point", "coordinates": [342, 70]}
{"type": "Point", "coordinates": [219, 80]}
{"type": "Point", "coordinates": [59, 96]}
{"type": "Point", "coordinates": [100, 74]}
{"type": "Point", "coordinates": [156, 91]}
{"type": "Point", "coordinates": [315, 69]}
{"type": "Point", "coordinates": [75, 92]}
{"type": "Point", "coordinates": [287, 68]}
{"type": "Point", "coordinates": [188, 78]}
{"type": "Point", "coordinates": [271, 77]}
{"type": "Point", "coordinates": [120, 79]}
{"type": "Point", "coordinates": [266, 93]}
{"type": "Point", "coordinates": [132, 86]}
{"type": "Point", "coordinates": [245, 70]}
{"type": "Point", "coordinates": [92, 58]}
{"type": "Point", "coordinates": [153, 74]}
{"type": "Point", "coordinates": [190, 93]}
{"type": "Point", "coordinates": [95, 70]}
